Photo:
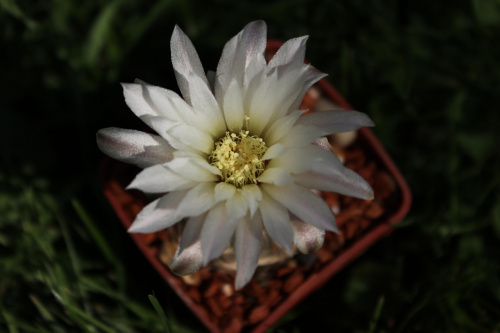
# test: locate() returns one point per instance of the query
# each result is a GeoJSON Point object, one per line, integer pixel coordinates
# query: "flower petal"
{"type": "Point", "coordinates": [253, 196]}
{"type": "Point", "coordinates": [194, 169]}
{"type": "Point", "coordinates": [161, 125]}
{"type": "Point", "coordinates": [307, 238]}
{"type": "Point", "coordinates": [236, 206]}
{"type": "Point", "coordinates": [159, 214]}
{"type": "Point", "coordinates": [336, 121]}
{"type": "Point", "coordinates": [310, 158]}
{"type": "Point", "coordinates": [304, 204]}
{"type": "Point", "coordinates": [233, 107]}
{"type": "Point", "coordinates": [186, 62]}
{"type": "Point", "coordinates": [258, 103]}
{"type": "Point", "coordinates": [192, 136]}
{"type": "Point", "coordinates": [237, 55]}
{"type": "Point", "coordinates": [224, 191]}
{"type": "Point", "coordinates": [247, 246]}
{"type": "Point", "coordinates": [274, 151]}
{"type": "Point", "coordinates": [290, 54]}
{"type": "Point", "coordinates": [254, 39]}
{"type": "Point", "coordinates": [312, 76]}
{"type": "Point", "coordinates": [206, 107]}
{"type": "Point", "coordinates": [159, 179]}
{"type": "Point", "coordinates": [188, 258]}
{"type": "Point", "coordinates": [276, 221]}
{"type": "Point", "coordinates": [300, 136]}
{"type": "Point", "coordinates": [281, 127]}
{"type": "Point", "coordinates": [166, 103]}
{"type": "Point", "coordinates": [276, 176]}
{"type": "Point", "coordinates": [216, 233]}
{"type": "Point", "coordinates": [350, 183]}
{"type": "Point", "coordinates": [134, 98]}
{"type": "Point", "coordinates": [134, 147]}
{"type": "Point", "coordinates": [198, 200]}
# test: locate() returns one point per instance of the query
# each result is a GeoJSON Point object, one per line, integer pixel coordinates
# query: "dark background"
{"type": "Point", "coordinates": [427, 72]}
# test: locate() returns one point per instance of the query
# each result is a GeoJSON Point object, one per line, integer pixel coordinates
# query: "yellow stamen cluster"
{"type": "Point", "coordinates": [239, 158]}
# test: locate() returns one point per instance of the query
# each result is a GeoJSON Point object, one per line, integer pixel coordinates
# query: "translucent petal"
{"type": "Point", "coordinates": [237, 55]}
{"type": "Point", "coordinates": [188, 258]}
{"type": "Point", "coordinates": [186, 62]}
{"type": "Point", "coordinates": [226, 62]}
{"type": "Point", "coordinates": [158, 215]}
{"type": "Point", "coordinates": [168, 104]}
{"type": "Point", "coordinates": [135, 100]}
{"type": "Point", "coordinates": [276, 221]}
{"type": "Point", "coordinates": [350, 183]}
{"type": "Point", "coordinates": [160, 179]}
{"type": "Point", "coordinates": [224, 191]}
{"type": "Point", "coordinates": [206, 107]}
{"type": "Point", "coordinates": [304, 204]}
{"type": "Point", "coordinates": [193, 137]}
{"type": "Point", "coordinates": [307, 238]}
{"type": "Point", "coordinates": [134, 147]}
{"type": "Point", "coordinates": [312, 76]}
{"type": "Point", "coordinates": [281, 127]}
{"type": "Point", "coordinates": [329, 122]}
{"type": "Point", "coordinates": [258, 103]}
{"type": "Point", "coordinates": [274, 151]}
{"type": "Point", "coordinates": [247, 246]}
{"type": "Point", "coordinates": [254, 40]}
{"type": "Point", "coordinates": [256, 67]}
{"type": "Point", "coordinates": [271, 100]}
{"type": "Point", "coordinates": [197, 201]}
{"type": "Point", "coordinates": [161, 125]}
{"type": "Point", "coordinates": [216, 233]}
{"type": "Point", "coordinates": [291, 52]}
{"type": "Point", "coordinates": [309, 158]}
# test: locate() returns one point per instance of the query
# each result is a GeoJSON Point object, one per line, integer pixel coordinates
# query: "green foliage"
{"type": "Point", "coordinates": [426, 72]}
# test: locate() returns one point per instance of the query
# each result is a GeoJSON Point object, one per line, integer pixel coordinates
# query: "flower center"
{"type": "Point", "coordinates": [239, 158]}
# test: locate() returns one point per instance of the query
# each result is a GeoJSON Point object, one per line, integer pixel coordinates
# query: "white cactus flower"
{"type": "Point", "coordinates": [236, 156]}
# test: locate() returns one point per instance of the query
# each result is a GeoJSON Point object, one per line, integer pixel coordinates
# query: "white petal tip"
{"type": "Point", "coordinates": [185, 264]}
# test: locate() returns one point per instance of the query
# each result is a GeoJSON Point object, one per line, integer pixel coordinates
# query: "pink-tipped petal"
{"type": "Point", "coordinates": [134, 147]}
{"type": "Point", "coordinates": [290, 54]}
{"type": "Point", "coordinates": [188, 258]}
{"type": "Point", "coordinates": [247, 246]}
{"type": "Point", "coordinates": [185, 61]}
{"type": "Point", "coordinates": [307, 238]}
{"type": "Point", "coordinates": [238, 54]}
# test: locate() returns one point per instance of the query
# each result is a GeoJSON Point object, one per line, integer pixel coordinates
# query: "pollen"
{"type": "Point", "coordinates": [239, 158]}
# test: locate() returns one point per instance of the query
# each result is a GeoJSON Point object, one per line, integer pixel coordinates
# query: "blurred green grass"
{"type": "Point", "coordinates": [426, 72]}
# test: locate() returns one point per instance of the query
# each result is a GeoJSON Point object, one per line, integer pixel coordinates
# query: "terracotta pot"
{"type": "Point", "coordinates": [276, 288]}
